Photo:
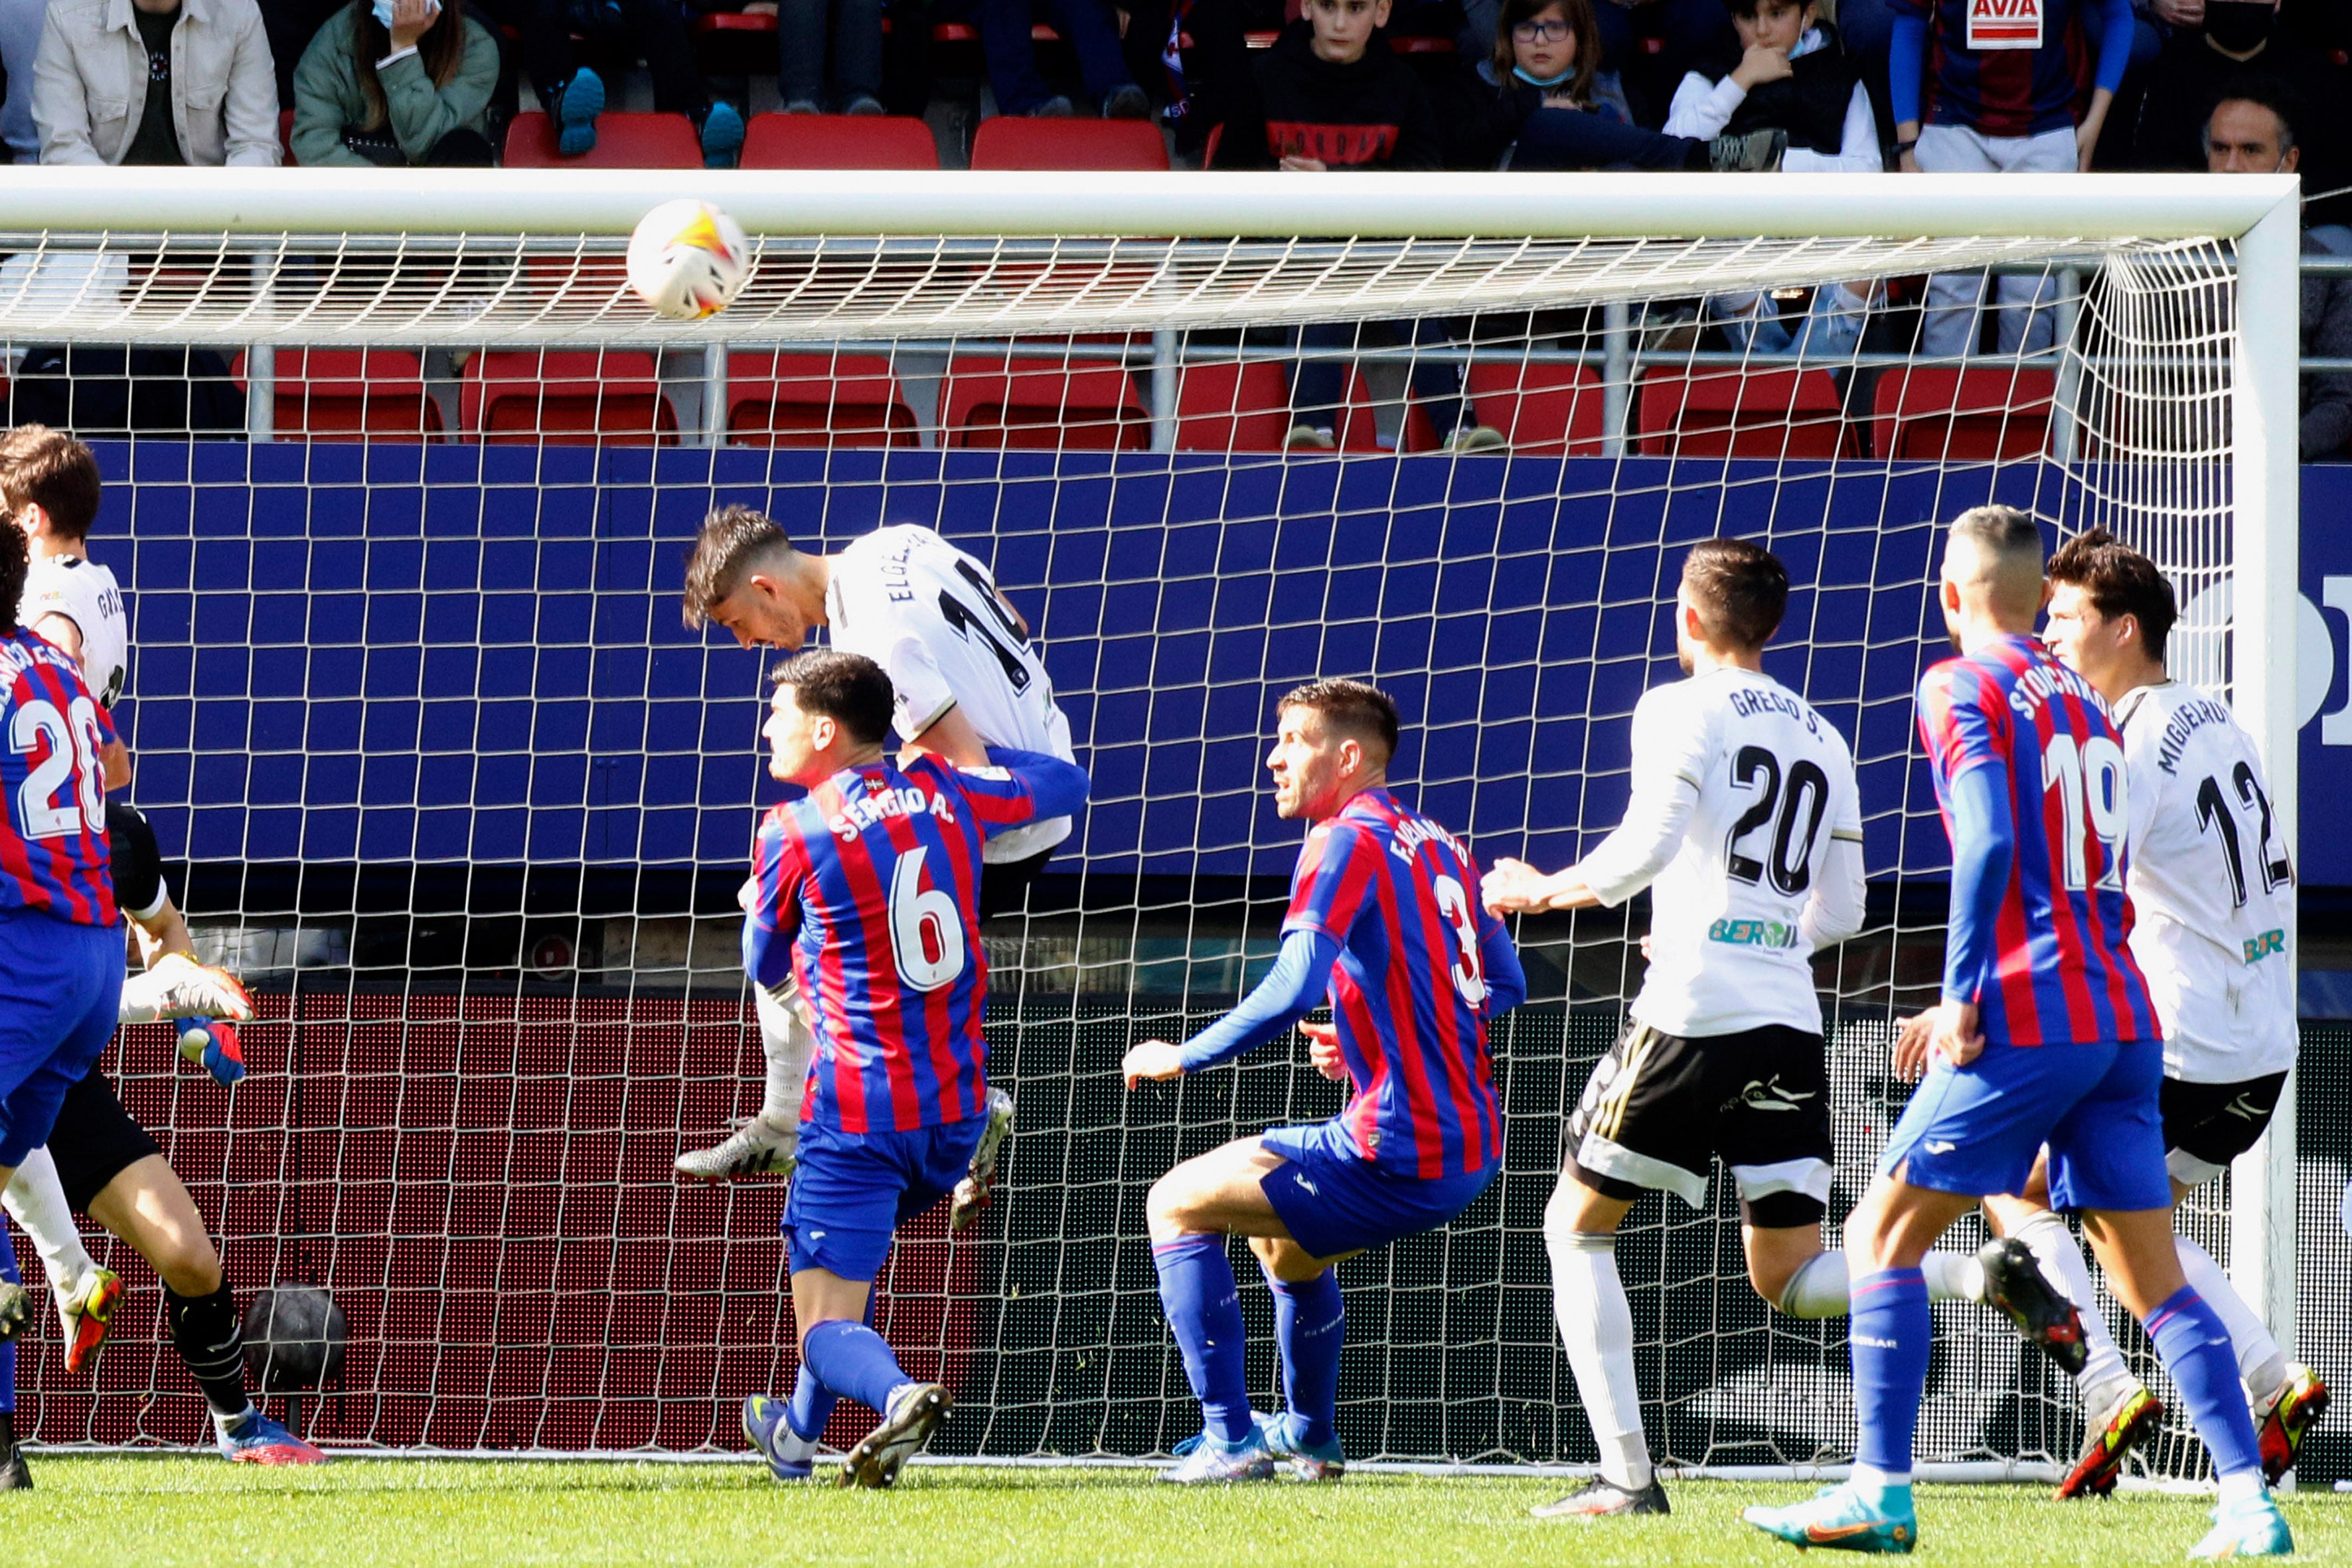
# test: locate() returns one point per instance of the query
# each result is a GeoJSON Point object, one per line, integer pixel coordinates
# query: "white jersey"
{"type": "Point", "coordinates": [1746, 826]}
{"type": "Point", "coordinates": [2212, 894]}
{"type": "Point", "coordinates": [86, 594]}
{"type": "Point", "coordinates": [929, 615]}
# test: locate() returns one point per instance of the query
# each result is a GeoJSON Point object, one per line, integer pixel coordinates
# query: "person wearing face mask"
{"type": "Point", "coordinates": [156, 81]}
{"type": "Point", "coordinates": [394, 83]}
{"type": "Point", "coordinates": [2241, 41]}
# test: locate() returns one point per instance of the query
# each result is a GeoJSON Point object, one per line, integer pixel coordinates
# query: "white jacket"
{"type": "Point", "coordinates": [89, 83]}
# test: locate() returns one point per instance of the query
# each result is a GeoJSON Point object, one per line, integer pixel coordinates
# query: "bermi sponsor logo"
{"type": "Point", "coordinates": [1753, 934]}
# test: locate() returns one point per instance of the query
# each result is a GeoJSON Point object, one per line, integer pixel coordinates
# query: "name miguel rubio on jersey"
{"type": "Point", "coordinates": [1739, 789]}
{"type": "Point", "coordinates": [2211, 888]}
{"type": "Point", "coordinates": [53, 855]}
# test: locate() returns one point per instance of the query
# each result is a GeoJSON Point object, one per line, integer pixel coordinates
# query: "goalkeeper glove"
{"type": "Point", "coordinates": [212, 1043]}
{"type": "Point", "coordinates": [177, 986]}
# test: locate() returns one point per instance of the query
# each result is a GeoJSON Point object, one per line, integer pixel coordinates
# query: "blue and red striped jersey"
{"type": "Point", "coordinates": [875, 877]}
{"type": "Point", "coordinates": [2054, 967]}
{"type": "Point", "coordinates": [53, 855]}
{"type": "Point", "coordinates": [1399, 895]}
{"type": "Point", "coordinates": [2006, 86]}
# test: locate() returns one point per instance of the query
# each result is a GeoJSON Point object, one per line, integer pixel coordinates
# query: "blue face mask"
{"type": "Point", "coordinates": [1562, 80]}
{"type": "Point", "coordinates": [384, 13]}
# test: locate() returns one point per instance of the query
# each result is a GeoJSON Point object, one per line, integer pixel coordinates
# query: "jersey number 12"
{"type": "Point", "coordinates": [2213, 812]}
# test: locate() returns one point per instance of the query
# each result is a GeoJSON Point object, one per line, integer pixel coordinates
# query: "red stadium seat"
{"type": "Point", "coordinates": [1238, 408]}
{"type": "Point", "coordinates": [1939, 415]}
{"type": "Point", "coordinates": [816, 400]}
{"type": "Point", "coordinates": [1017, 142]}
{"type": "Point", "coordinates": [566, 398]}
{"type": "Point", "coordinates": [1544, 409]}
{"type": "Point", "coordinates": [735, 42]}
{"type": "Point", "coordinates": [285, 133]}
{"type": "Point", "coordinates": [349, 395]}
{"type": "Point", "coordinates": [838, 141]}
{"type": "Point", "coordinates": [1731, 413]}
{"type": "Point", "coordinates": [1358, 428]}
{"type": "Point", "coordinates": [1077, 404]}
{"type": "Point", "coordinates": [624, 141]}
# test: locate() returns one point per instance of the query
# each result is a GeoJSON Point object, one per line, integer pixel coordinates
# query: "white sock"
{"type": "Point", "coordinates": [1820, 1286]}
{"type": "Point", "coordinates": [1597, 1325]}
{"type": "Point", "coordinates": [1869, 1479]}
{"type": "Point", "coordinates": [2242, 1488]}
{"type": "Point", "coordinates": [786, 1041]}
{"type": "Point", "coordinates": [2105, 1378]}
{"type": "Point", "coordinates": [2261, 1365]}
{"type": "Point", "coordinates": [35, 1200]}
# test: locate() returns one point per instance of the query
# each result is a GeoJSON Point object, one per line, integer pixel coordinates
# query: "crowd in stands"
{"type": "Point", "coordinates": [1315, 87]}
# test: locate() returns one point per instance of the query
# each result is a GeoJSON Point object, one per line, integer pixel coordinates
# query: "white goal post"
{"type": "Point", "coordinates": [311, 259]}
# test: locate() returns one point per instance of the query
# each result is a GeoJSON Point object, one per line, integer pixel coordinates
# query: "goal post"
{"type": "Point", "coordinates": [1177, 579]}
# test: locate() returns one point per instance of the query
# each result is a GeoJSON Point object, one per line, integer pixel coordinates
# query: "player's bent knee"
{"type": "Point", "coordinates": [1575, 1209]}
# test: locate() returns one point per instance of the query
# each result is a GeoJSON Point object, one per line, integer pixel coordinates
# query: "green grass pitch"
{"type": "Point", "coordinates": [449, 1514]}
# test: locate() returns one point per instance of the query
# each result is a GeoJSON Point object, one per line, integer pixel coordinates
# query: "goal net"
{"type": "Point", "coordinates": [442, 773]}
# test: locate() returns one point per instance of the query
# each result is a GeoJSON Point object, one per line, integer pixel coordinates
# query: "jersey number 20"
{"type": "Point", "coordinates": [926, 929]}
{"type": "Point", "coordinates": [69, 740]}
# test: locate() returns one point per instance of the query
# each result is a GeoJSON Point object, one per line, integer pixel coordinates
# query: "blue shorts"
{"type": "Point", "coordinates": [1976, 1130]}
{"type": "Point", "coordinates": [59, 990]}
{"type": "Point", "coordinates": [1334, 1202]}
{"type": "Point", "coordinates": [851, 1191]}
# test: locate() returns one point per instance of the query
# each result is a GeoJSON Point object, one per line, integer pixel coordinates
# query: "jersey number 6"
{"type": "Point", "coordinates": [70, 738]}
{"type": "Point", "coordinates": [925, 928]}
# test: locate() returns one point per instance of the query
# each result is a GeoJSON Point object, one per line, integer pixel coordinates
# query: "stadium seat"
{"type": "Point", "coordinates": [1731, 413]}
{"type": "Point", "coordinates": [1017, 142]}
{"type": "Point", "coordinates": [1358, 428]}
{"type": "Point", "coordinates": [1238, 408]}
{"type": "Point", "coordinates": [624, 141]}
{"type": "Point", "coordinates": [1077, 404]}
{"type": "Point", "coordinates": [1939, 415]}
{"type": "Point", "coordinates": [565, 398]}
{"type": "Point", "coordinates": [839, 141]}
{"type": "Point", "coordinates": [349, 395]}
{"type": "Point", "coordinates": [816, 400]}
{"type": "Point", "coordinates": [1544, 409]}
{"type": "Point", "coordinates": [735, 42]}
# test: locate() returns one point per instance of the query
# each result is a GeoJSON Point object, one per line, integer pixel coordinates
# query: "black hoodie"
{"type": "Point", "coordinates": [1371, 114]}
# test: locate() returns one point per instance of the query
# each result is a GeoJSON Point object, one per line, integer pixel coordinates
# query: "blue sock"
{"type": "Point", "coordinates": [1309, 1323]}
{"type": "Point", "coordinates": [811, 1405]}
{"type": "Point", "coordinates": [852, 1360]}
{"type": "Point", "coordinates": [1891, 1333]}
{"type": "Point", "coordinates": [1205, 1310]}
{"type": "Point", "coordinates": [2194, 1346]}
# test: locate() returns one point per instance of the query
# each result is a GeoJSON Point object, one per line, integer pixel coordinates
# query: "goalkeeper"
{"type": "Point", "coordinates": [102, 1164]}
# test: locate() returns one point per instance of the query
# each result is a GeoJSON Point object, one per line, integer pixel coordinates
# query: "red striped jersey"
{"type": "Point", "coordinates": [872, 878]}
{"type": "Point", "coordinates": [2058, 969]}
{"type": "Point", "coordinates": [1399, 895]}
{"type": "Point", "coordinates": [53, 848]}
{"type": "Point", "coordinates": [2020, 77]}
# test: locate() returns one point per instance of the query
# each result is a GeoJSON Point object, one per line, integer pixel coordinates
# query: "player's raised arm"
{"type": "Point", "coordinates": [1016, 788]}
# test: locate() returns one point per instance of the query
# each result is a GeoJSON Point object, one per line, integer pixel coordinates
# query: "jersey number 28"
{"type": "Point", "coordinates": [70, 743]}
{"type": "Point", "coordinates": [925, 928]}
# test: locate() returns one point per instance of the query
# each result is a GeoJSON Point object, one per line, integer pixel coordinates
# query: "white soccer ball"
{"type": "Point", "coordinates": [689, 260]}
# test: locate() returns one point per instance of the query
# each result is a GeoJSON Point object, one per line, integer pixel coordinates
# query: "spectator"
{"type": "Point", "coordinates": [853, 28]}
{"type": "Point", "coordinates": [619, 31]}
{"type": "Point", "coordinates": [289, 25]}
{"type": "Point", "coordinates": [20, 43]}
{"type": "Point", "coordinates": [2240, 39]}
{"type": "Point", "coordinates": [1086, 26]}
{"type": "Point", "coordinates": [2004, 95]}
{"type": "Point", "coordinates": [156, 81]}
{"type": "Point", "coordinates": [2253, 132]}
{"type": "Point", "coordinates": [1650, 45]}
{"type": "Point", "coordinates": [1200, 49]}
{"type": "Point", "coordinates": [415, 93]}
{"type": "Point", "coordinates": [1791, 76]}
{"type": "Point", "coordinates": [1530, 104]}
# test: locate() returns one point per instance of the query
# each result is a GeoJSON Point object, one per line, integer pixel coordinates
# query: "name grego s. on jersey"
{"type": "Point", "coordinates": [1739, 790]}
{"type": "Point", "coordinates": [2211, 887]}
{"type": "Point", "coordinates": [929, 615]}
{"type": "Point", "coordinates": [86, 594]}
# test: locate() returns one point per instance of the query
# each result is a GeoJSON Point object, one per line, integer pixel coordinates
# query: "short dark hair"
{"type": "Point", "coordinates": [2248, 87]}
{"type": "Point", "coordinates": [16, 561]}
{"type": "Point", "coordinates": [1741, 590]}
{"type": "Point", "coordinates": [49, 469]}
{"type": "Point", "coordinates": [846, 687]}
{"type": "Point", "coordinates": [732, 540]}
{"type": "Point", "coordinates": [1351, 708]}
{"type": "Point", "coordinates": [2119, 580]}
{"type": "Point", "coordinates": [2004, 529]}
{"type": "Point", "coordinates": [1746, 9]}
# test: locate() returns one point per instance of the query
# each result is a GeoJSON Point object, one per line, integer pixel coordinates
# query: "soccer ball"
{"type": "Point", "coordinates": [293, 1339]}
{"type": "Point", "coordinates": [689, 260]}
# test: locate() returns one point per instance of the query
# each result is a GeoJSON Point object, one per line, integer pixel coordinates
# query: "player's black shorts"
{"type": "Point", "coordinates": [1659, 1108]}
{"type": "Point", "coordinates": [1005, 885]}
{"type": "Point", "coordinates": [2206, 1125]}
{"type": "Point", "coordinates": [95, 1139]}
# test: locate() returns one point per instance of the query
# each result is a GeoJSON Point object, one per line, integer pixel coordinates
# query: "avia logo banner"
{"type": "Point", "coordinates": [2005, 23]}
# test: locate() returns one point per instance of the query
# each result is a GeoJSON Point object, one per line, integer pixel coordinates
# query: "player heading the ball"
{"type": "Point", "coordinates": [868, 894]}
{"type": "Point", "coordinates": [2045, 1040]}
{"type": "Point", "coordinates": [1383, 917]}
{"type": "Point", "coordinates": [1745, 823]}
